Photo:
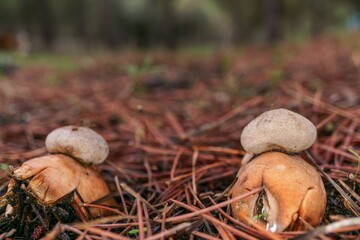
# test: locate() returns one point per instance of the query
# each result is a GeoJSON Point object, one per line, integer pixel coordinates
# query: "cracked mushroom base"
{"type": "Point", "coordinates": [293, 193]}
{"type": "Point", "coordinates": [47, 189]}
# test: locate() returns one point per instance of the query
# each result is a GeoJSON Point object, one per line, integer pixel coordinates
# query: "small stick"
{"type": "Point", "coordinates": [339, 226]}
{"type": "Point", "coordinates": [176, 160]}
{"type": "Point", "coordinates": [140, 219]}
{"type": "Point", "coordinates": [193, 170]}
{"type": "Point", "coordinates": [82, 204]}
{"type": "Point", "coordinates": [117, 183]}
{"type": "Point", "coordinates": [150, 174]}
{"type": "Point", "coordinates": [82, 201]}
{"type": "Point", "coordinates": [353, 193]}
{"type": "Point", "coordinates": [163, 221]}
{"type": "Point", "coordinates": [170, 116]}
{"type": "Point", "coordinates": [147, 220]}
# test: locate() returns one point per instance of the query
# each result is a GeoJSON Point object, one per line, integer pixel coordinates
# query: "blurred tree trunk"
{"type": "Point", "coordinates": [242, 14]}
{"type": "Point", "coordinates": [46, 23]}
{"type": "Point", "coordinates": [81, 24]}
{"type": "Point", "coordinates": [319, 16]}
{"type": "Point", "coordinates": [169, 21]}
{"type": "Point", "coordinates": [273, 20]}
{"type": "Point", "coordinates": [108, 24]}
{"type": "Point", "coordinates": [240, 22]}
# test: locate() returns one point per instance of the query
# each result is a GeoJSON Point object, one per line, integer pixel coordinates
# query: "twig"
{"type": "Point", "coordinates": [352, 192]}
{"type": "Point", "coordinates": [193, 170]}
{"type": "Point", "coordinates": [170, 116]}
{"type": "Point", "coordinates": [121, 195]}
{"type": "Point", "coordinates": [332, 227]}
{"type": "Point", "coordinates": [140, 219]}
{"type": "Point", "coordinates": [176, 160]}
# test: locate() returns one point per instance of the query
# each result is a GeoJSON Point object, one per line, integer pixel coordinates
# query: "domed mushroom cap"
{"type": "Point", "coordinates": [81, 143]}
{"type": "Point", "coordinates": [278, 129]}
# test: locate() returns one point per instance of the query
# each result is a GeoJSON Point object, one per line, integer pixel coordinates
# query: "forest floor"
{"type": "Point", "coordinates": [173, 123]}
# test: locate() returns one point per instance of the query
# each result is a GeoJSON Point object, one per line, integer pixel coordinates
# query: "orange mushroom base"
{"type": "Point", "coordinates": [293, 193]}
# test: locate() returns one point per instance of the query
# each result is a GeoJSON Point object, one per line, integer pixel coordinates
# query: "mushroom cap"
{"type": "Point", "coordinates": [81, 143]}
{"type": "Point", "coordinates": [292, 189]}
{"type": "Point", "coordinates": [278, 129]}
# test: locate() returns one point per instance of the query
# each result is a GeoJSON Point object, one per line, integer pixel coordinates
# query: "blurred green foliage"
{"type": "Point", "coordinates": [98, 24]}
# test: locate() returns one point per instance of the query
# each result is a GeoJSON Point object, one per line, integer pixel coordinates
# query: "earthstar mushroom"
{"type": "Point", "coordinates": [292, 188]}
{"type": "Point", "coordinates": [55, 184]}
{"type": "Point", "coordinates": [53, 177]}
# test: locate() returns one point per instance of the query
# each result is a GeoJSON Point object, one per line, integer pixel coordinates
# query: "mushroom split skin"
{"type": "Point", "coordinates": [50, 189]}
{"type": "Point", "coordinates": [292, 190]}
{"type": "Point", "coordinates": [278, 129]}
{"type": "Point", "coordinates": [50, 179]}
{"type": "Point", "coordinates": [81, 143]}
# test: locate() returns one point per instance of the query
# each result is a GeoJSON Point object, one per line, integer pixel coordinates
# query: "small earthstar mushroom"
{"type": "Point", "coordinates": [50, 188]}
{"type": "Point", "coordinates": [50, 179]}
{"type": "Point", "coordinates": [280, 130]}
{"type": "Point", "coordinates": [80, 143]}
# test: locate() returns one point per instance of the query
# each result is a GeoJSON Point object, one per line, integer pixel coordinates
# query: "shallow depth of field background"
{"type": "Point", "coordinates": [91, 25]}
{"type": "Point", "coordinates": [170, 84]}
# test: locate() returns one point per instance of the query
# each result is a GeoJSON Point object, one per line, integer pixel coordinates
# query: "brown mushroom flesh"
{"type": "Point", "coordinates": [293, 192]}
{"type": "Point", "coordinates": [54, 177]}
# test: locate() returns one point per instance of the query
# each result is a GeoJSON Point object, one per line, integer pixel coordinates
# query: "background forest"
{"type": "Point", "coordinates": [170, 85]}
{"type": "Point", "coordinates": [92, 24]}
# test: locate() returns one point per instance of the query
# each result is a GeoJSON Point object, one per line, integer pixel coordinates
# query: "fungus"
{"type": "Point", "coordinates": [293, 191]}
{"type": "Point", "coordinates": [50, 188]}
{"type": "Point", "coordinates": [50, 179]}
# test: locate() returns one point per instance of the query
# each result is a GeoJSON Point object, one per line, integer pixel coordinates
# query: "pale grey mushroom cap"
{"type": "Point", "coordinates": [278, 129]}
{"type": "Point", "coordinates": [81, 143]}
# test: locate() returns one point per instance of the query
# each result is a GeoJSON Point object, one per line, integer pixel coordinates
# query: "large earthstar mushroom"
{"type": "Point", "coordinates": [293, 192]}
